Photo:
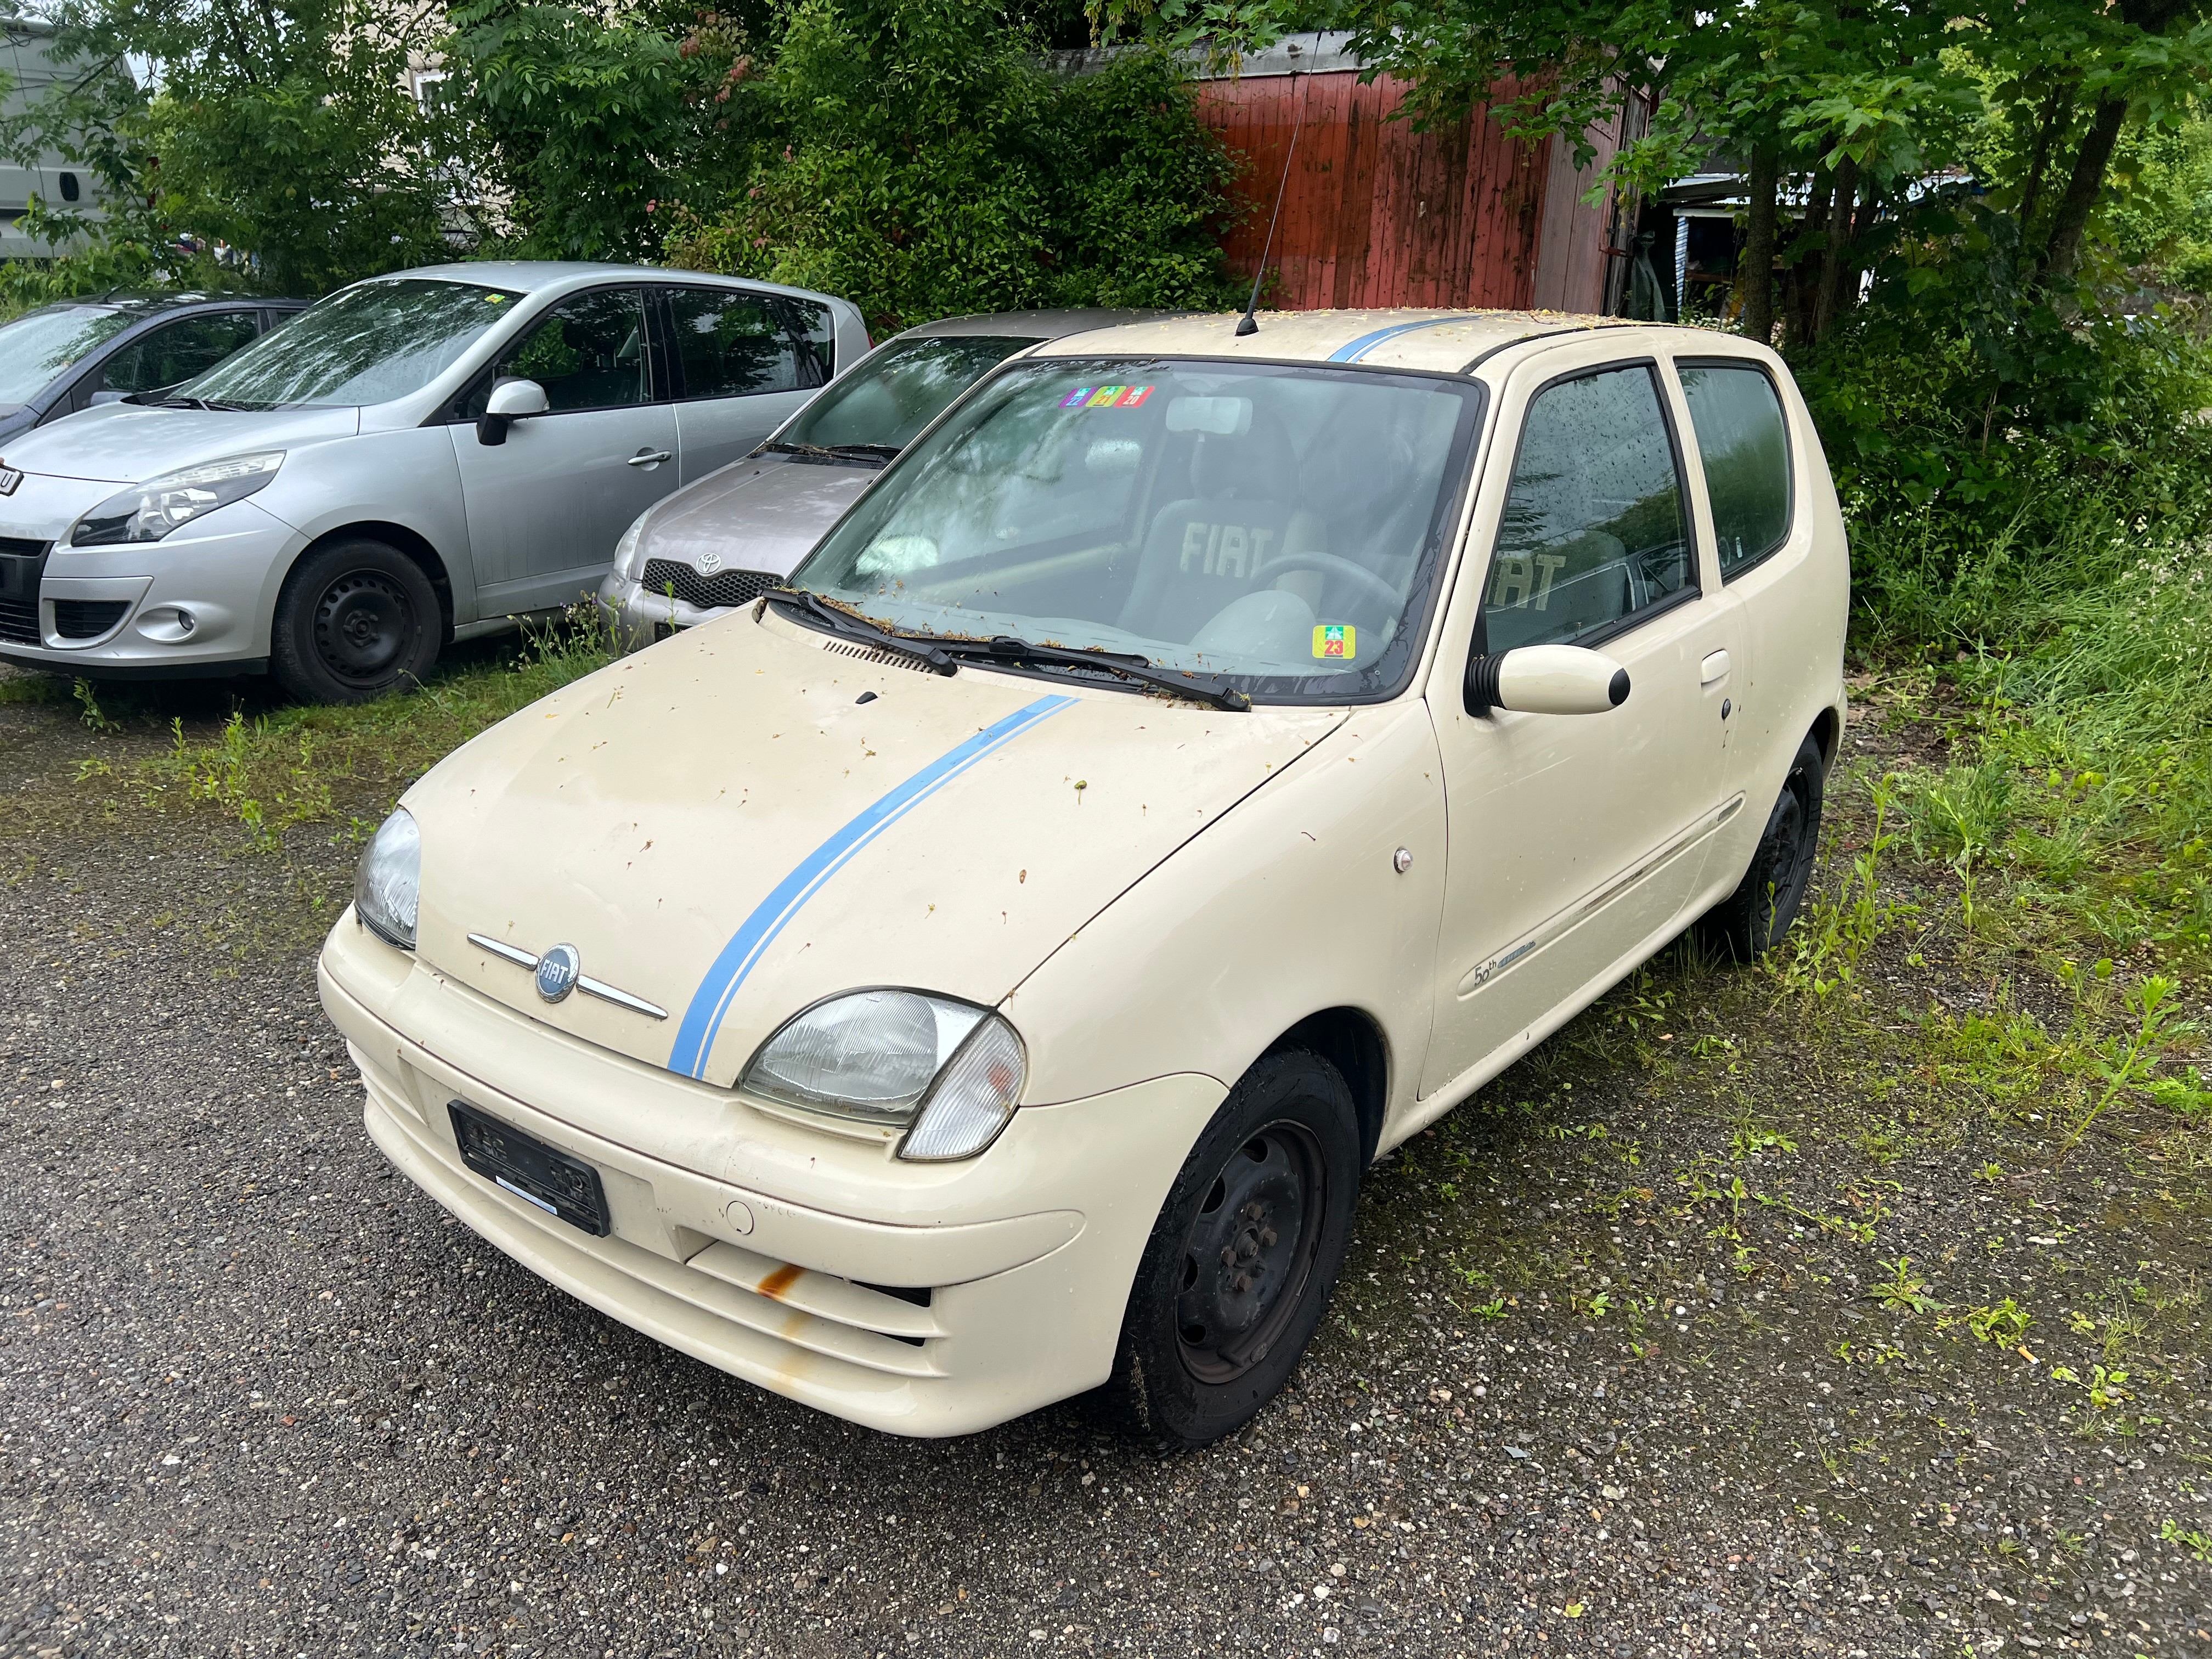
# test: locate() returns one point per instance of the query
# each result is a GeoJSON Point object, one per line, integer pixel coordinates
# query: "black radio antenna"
{"type": "Point", "coordinates": [1247, 323]}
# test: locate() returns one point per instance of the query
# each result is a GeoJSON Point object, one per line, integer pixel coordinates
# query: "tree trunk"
{"type": "Point", "coordinates": [1755, 277]}
{"type": "Point", "coordinates": [2062, 253]}
{"type": "Point", "coordinates": [1806, 266]}
{"type": "Point", "coordinates": [1828, 301]}
{"type": "Point", "coordinates": [2057, 110]}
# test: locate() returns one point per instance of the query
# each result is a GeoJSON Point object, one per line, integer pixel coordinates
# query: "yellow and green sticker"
{"type": "Point", "coordinates": [1338, 640]}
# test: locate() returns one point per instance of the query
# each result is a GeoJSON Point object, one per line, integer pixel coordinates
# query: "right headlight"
{"type": "Point", "coordinates": [149, 511]}
{"type": "Point", "coordinates": [626, 549]}
{"type": "Point", "coordinates": [948, 1072]}
{"type": "Point", "coordinates": [387, 881]}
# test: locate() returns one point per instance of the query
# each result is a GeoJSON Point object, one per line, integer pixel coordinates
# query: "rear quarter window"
{"type": "Point", "coordinates": [1743, 442]}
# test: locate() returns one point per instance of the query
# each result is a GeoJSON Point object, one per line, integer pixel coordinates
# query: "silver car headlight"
{"type": "Point", "coordinates": [949, 1073]}
{"type": "Point", "coordinates": [626, 549]}
{"type": "Point", "coordinates": [388, 881]}
{"type": "Point", "coordinates": [149, 511]}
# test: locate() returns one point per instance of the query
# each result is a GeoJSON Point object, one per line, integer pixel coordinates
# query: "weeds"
{"type": "Point", "coordinates": [272, 771]}
{"type": "Point", "coordinates": [1828, 945]}
{"type": "Point", "coordinates": [2152, 1003]}
{"type": "Point", "coordinates": [1903, 1290]}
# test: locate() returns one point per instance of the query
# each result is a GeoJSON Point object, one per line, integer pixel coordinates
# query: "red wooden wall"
{"type": "Point", "coordinates": [1376, 214]}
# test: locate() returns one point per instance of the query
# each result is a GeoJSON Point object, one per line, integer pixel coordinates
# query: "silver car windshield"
{"type": "Point", "coordinates": [40, 344]}
{"type": "Point", "coordinates": [1278, 526]}
{"type": "Point", "coordinates": [367, 344]}
{"type": "Point", "coordinates": [883, 404]}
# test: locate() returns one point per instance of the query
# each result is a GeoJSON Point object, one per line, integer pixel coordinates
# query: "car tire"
{"type": "Point", "coordinates": [356, 619]}
{"type": "Point", "coordinates": [1227, 1296]}
{"type": "Point", "coordinates": [1751, 920]}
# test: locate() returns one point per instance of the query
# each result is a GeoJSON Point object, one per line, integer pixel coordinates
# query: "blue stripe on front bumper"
{"type": "Point", "coordinates": [696, 1037]}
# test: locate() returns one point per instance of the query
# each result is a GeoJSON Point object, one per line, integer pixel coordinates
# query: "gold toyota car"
{"type": "Point", "coordinates": [981, 970]}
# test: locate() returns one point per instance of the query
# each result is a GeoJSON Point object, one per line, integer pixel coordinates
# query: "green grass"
{"type": "Point", "coordinates": [271, 770]}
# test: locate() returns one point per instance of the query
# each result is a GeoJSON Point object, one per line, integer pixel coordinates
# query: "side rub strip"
{"type": "Point", "coordinates": [703, 1017]}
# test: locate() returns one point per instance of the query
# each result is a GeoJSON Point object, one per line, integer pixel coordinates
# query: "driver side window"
{"type": "Point", "coordinates": [1594, 532]}
{"type": "Point", "coordinates": [588, 352]}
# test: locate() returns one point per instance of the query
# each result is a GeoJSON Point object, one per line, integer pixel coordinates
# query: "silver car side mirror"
{"type": "Point", "coordinates": [510, 401]}
{"type": "Point", "coordinates": [1546, 679]}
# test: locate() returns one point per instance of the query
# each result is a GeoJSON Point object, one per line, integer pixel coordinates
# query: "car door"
{"type": "Point", "coordinates": [743, 370]}
{"type": "Point", "coordinates": [1575, 841]}
{"type": "Point", "coordinates": [546, 507]}
{"type": "Point", "coordinates": [1746, 465]}
{"type": "Point", "coordinates": [165, 356]}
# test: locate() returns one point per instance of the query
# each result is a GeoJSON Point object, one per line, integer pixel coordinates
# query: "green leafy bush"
{"type": "Point", "coordinates": [926, 166]}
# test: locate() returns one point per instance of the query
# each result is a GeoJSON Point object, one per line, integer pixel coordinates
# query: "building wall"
{"type": "Point", "coordinates": [1575, 238]}
{"type": "Point", "coordinates": [1376, 214]}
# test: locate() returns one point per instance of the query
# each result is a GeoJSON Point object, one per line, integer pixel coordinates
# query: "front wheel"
{"type": "Point", "coordinates": [1244, 1257]}
{"type": "Point", "coordinates": [1751, 920]}
{"type": "Point", "coordinates": [356, 619]}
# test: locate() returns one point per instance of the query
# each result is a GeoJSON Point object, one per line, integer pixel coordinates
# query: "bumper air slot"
{"type": "Point", "coordinates": [22, 563]}
{"type": "Point", "coordinates": [88, 619]}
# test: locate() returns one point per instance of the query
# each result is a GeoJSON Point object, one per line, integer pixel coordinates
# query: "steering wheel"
{"type": "Point", "coordinates": [1373, 586]}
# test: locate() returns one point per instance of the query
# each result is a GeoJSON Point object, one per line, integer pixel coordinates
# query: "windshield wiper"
{"type": "Point", "coordinates": [1009, 648]}
{"type": "Point", "coordinates": [176, 400]}
{"type": "Point", "coordinates": [850, 627]}
{"type": "Point", "coordinates": [841, 452]}
{"type": "Point", "coordinates": [887, 452]}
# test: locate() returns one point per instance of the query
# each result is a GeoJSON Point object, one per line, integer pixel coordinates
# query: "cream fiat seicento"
{"type": "Point", "coordinates": [980, 972]}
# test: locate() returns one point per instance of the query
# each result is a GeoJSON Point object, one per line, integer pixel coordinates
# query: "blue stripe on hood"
{"type": "Point", "coordinates": [711, 1001]}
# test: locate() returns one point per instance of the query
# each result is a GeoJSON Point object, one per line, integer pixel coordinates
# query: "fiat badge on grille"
{"type": "Point", "coordinates": [556, 972]}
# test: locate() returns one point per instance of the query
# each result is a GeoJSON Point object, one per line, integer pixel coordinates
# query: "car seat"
{"type": "Point", "coordinates": [1204, 551]}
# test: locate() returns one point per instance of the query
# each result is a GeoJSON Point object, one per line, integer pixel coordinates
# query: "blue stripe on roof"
{"type": "Point", "coordinates": [695, 1037]}
{"type": "Point", "coordinates": [1355, 350]}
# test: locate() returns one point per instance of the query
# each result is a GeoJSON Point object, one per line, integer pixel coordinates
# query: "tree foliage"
{"type": "Point", "coordinates": [923, 165]}
{"type": "Point", "coordinates": [286, 128]}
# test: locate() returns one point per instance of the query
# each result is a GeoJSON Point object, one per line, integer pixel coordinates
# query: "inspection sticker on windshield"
{"type": "Point", "coordinates": [1106, 396]}
{"type": "Point", "coordinates": [1336, 640]}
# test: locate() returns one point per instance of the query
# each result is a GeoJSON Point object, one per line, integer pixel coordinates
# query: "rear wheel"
{"type": "Point", "coordinates": [1751, 920]}
{"type": "Point", "coordinates": [1244, 1257]}
{"type": "Point", "coordinates": [356, 619]}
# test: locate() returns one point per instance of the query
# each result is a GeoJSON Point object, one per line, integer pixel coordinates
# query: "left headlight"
{"type": "Point", "coordinates": [388, 881]}
{"type": "Point", "coordinates": [948, 1072]}
{"type": "Point", "coordinates": [149, 511]}
{"type": "Point", "coordinates": [626, 549]}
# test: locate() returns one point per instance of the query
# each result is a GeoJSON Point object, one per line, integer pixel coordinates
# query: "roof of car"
{"type": "Point", "coordinates": [146, 304]}
{"type": "Point", "coordinates": [1446, 341]}
{"type": "Point", "coordinates": [1033, 325]}
{"type": "Point", "coordinates": [529, 276]}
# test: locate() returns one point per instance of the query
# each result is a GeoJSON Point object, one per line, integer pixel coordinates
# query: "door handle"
{"type": "Point", "coordinates": [1716, 667]}
{"type": "Point", "coordinates": [649, 458]}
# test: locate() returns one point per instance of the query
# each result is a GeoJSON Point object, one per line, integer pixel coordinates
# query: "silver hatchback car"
{"type": "Point", "coordinates": [418, 459]}
{"type": "Point", "coordinates": [727, 539]}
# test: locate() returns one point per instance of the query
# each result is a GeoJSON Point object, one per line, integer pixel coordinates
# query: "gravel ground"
{"type": "Point", "coordinates": [1610, 1373]}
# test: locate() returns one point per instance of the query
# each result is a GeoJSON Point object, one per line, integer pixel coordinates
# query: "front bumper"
{"type": "Point", "coordinates": [920, 1299]}
{"type": "Point", "coordinates": [638, 617]}
{"type": "Point", "coordinates": [197, 602]}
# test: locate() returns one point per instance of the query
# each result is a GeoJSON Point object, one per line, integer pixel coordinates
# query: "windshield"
{"type": "Point", "coordinates": [40, 344]}
{"type": "Point", "coordinates": [898, 391]}
{"type": "Point", "coordinates": [1280, 527]}
{"type": "Point", "coordinates": [367, 344]}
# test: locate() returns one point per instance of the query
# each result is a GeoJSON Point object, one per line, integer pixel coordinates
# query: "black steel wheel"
{"type": "Point", "coordinates": [1244, 1256]}
{"type": "Point", "coordinates": [1753, 919]}
{"type": "Point", "coordinates": [1250, 1251]}
{"type": "Point", "coordinates": [356, 619]}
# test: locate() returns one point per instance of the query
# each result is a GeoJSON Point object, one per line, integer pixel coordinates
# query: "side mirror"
{"type": "Point", "coordinates": [106, 394]}
{"type": "Point", "coordinates": [1546, 679]}
{"type": "Point", "coordinates": [510, 401]}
